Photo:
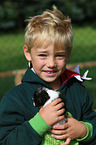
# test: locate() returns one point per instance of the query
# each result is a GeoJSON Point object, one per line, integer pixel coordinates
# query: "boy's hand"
{"type": "Point", "coordinates": [52, 113]}
{"type": "Point", "coordinates": [71, 130]}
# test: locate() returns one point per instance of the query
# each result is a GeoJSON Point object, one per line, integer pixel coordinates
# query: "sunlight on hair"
{"type": "Point", "coordinates": [51, 26]}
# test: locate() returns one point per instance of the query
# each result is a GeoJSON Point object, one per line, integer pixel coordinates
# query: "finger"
{"type": "Point", "coordinates": [68, 118]}
{"type": "Point", "coordinates": [64, 136]}
{"type": "Point", "coordinates": [61, 111]}
{"type": "Point", "coordinates": [68, 140]}
{"type": "Point", "coordinates": [63, 126]}
{"type": "Point", "coordinates": [59, 106]}
{"type": "Point", "coordinates": [56, 101]}
{"type": "Point", "coordinates": [58, 132]}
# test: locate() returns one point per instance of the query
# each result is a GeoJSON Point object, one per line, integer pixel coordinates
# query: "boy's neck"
{"type": "Point", "coordinates": [56, 84]}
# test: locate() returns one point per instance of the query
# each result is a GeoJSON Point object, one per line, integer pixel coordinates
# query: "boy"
{"type": "Point", "coordinates": [48, 44]}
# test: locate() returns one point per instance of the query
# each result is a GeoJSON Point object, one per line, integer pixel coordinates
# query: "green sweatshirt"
{"type": "Point", "coordinates": [17, 111]}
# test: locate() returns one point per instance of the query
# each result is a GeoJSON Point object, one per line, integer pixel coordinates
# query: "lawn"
{"type": "Point", "coordinates": [12, 57]}
{"type": "Point", "coordinates": [84, 44]}
{"type": "Point", "coordinates": [11, 48]}
{"type": "Point", "coordinates": [91, 85]}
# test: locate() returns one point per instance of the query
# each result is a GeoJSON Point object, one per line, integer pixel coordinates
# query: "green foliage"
{"type": "Point", "coordinates": [81, 10]}
{"type": "Point", "coordinates": [17, 11]}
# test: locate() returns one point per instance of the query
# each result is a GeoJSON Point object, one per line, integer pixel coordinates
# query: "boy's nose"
{"type": "Point", "coordinates": [51, 63]}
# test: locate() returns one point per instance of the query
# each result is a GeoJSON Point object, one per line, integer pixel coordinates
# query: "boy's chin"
{"type": "Point", "coordinates": [49, 79]}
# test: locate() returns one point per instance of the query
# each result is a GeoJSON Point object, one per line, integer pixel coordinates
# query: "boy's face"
{"type": "Point", "coordinates": [48, 63]}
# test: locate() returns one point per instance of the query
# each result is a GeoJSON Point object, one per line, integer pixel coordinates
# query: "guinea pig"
{"type": "Point", "coordinates": [43, 96]}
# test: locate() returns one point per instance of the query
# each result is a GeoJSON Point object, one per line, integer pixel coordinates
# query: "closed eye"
{"type": "Point", "coordinates": [61, 56]}
{"type": "Point", "coordinates": [42, 55]}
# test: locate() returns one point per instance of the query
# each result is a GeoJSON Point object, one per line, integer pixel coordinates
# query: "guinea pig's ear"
{"type": "Point", "coordinates": [44, 97]}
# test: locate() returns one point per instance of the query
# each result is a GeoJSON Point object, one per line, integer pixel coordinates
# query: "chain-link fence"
{"type": "Point", "coordinates": [11, 47]}
{"type": "Point", "coordinates": [12, 57]}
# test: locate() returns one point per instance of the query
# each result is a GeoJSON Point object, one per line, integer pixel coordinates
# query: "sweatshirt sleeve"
{"type": "Point", "coordinates": [14, 128]}
{"type": "Point", "coordinates": [88, 117]}
{"type": "Point", "coordinates": [40, 127]}
{"type": "Point", "coordinates": [89, 132]}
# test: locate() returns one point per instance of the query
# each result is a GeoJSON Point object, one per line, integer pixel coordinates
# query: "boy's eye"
{"type": "Point", "coordinates": [60, 55]}
{"type": "Point", "coordinates": [42, 55]}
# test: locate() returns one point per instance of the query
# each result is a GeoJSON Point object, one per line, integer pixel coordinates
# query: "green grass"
{"type": "Point", "coordinates": [12, 57]}
{"type": "Point", "coordinates": [91, 85]}
{"type": "Point", "coordinates": [84, 44]}
{"type": "Point", "coordinates": [11, 48]}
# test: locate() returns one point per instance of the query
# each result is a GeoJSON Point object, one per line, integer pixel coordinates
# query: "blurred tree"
{"type": "Point", "coordinates": [81, 10]}
{"type": "Point", "coordinates": [16, 11]}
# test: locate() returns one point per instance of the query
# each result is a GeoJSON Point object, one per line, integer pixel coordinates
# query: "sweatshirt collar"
{"type": "Point", "coordinates": [30, 75]}
{"type": "Point", "coordinates": [75, 73]}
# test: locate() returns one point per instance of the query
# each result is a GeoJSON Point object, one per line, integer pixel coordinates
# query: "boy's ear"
{"type": "Point", "coordinates": [27, 53]}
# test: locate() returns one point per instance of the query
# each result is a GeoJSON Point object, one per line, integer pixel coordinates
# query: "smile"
{"type": "Point", "coordinates": [50, 73]}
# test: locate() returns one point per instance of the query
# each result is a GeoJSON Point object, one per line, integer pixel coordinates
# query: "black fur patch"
{"type": "Point", "coordinates": [40, 97]}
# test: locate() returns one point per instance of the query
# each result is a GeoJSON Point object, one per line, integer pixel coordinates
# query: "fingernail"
{"type": "Point", "coordinates": [53, 127]}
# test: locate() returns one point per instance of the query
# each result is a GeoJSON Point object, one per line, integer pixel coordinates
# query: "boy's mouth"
{"type": "Point", "coordinates": [50, 73]}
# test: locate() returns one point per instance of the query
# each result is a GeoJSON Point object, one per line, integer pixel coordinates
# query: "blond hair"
{"type": "Point", "coordinates": [50, 27]}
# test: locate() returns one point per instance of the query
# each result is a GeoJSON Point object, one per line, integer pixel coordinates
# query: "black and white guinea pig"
{"type": "Point", "coordinates": [43, 96]}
